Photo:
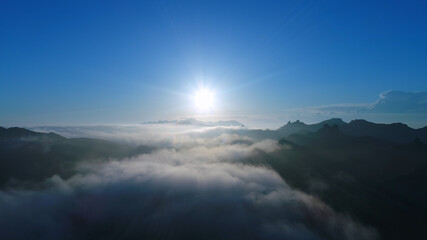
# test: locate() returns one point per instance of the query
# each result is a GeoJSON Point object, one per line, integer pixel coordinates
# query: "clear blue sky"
{"type": "Point", "coordinates": [87, 62]}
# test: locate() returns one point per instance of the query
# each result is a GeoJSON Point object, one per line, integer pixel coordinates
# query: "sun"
{"type": "Point", "coordinates": [204, 99]}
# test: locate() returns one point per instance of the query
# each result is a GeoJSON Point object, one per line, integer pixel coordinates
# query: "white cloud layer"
{"type": "Point", "coordinates": [201, 190]}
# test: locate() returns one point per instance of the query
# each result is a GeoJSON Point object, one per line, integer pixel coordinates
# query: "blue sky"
{"type": "Point", "coordinates": [90, 62]}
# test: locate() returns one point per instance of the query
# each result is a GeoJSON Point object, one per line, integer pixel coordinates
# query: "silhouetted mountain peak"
{"type": "Point", "coordinates": [316, 126]}
{"type": "Point", "coordinates": [363, 122]}
{"type": "Point", "coordinates": [403, 125]}
{"type": "Point", "coordinates": [296, 123]}
{"type": "Point", "coordinates": [358, 121]}
{"type": "Point", "coordinates": [16, 132]}
{"type": "Point", "coordinates": [333, 121]}
{"type": "Point", "coordinates": [397, 132]}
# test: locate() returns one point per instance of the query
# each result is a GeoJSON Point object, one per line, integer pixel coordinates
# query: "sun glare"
{"type": "Point", "coordinates": [204, 99]}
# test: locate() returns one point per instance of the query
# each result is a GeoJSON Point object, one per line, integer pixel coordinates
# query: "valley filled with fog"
{"type": "Point", "coordinates": [174, 181]}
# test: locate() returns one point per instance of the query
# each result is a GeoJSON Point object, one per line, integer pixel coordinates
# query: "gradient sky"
{"type": "Point", "coordinates": [90, 62]}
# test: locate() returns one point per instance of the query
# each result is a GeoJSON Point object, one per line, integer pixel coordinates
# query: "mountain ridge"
{"type": "Point", "coordinates": [397, 132]}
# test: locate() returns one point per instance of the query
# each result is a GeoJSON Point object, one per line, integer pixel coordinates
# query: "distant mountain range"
{"type": "Point", "coordinates": [33, 156]}
{"type": "Point", "coordinates": [193, 121]}
{"type": "Point", "coordinates": [397, 132]}
{"type": "Point", "coordinates": [374, 179]}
